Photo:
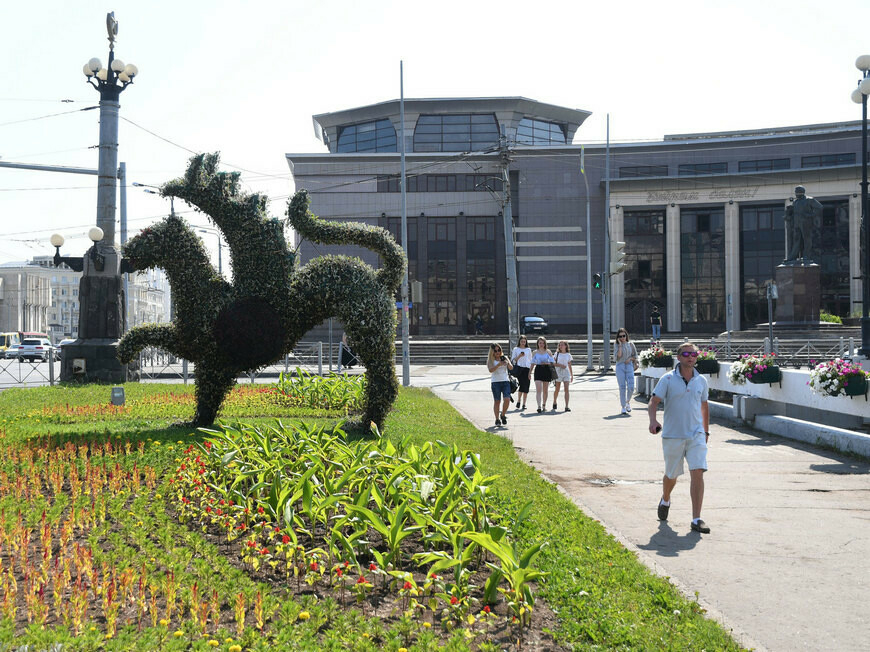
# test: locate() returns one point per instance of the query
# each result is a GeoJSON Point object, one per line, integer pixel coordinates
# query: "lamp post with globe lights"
{"type": "Point", "coordinates": [859, 95]}
{"type": "Point", "coordinates": [93, 357]}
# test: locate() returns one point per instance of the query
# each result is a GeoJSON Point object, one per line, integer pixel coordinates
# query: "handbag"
{"type": "Point", "coordinates": [515, 384]}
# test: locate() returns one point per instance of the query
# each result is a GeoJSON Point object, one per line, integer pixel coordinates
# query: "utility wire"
{"type": "Point", "coordinates": [43, 117]}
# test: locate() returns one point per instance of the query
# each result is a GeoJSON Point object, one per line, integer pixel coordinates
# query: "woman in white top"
{"type": "Point", "coordinates": [522, 359]}
{"type": "Point", "coordinates": [625, 357]}
{"type": "Point", "coordinates": [498, 365]}
{"type": "Point", "coordinates": [564, 372]}
{"type": "Point", "coordinates": [541, 361]}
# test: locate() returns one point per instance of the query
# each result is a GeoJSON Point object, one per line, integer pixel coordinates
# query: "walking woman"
{"type": "Point", "coordinates": [625, 357]}
{"type": "Point", "coordinates": [564, 373]}
{"type": "Point", "coordinates": [522, 359]}
{"type": "Point", "coordinates": [541, 371]}
{"type": "Point", "coordinates": [498, 365]}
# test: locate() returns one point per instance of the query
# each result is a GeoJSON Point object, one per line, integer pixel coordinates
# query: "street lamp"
{"type": "Point", "coordinates": [93, 357]}
{"type": "Point", "coordinates": [859, 95]}
{"type": "Point", "coordinates": [217, 233]}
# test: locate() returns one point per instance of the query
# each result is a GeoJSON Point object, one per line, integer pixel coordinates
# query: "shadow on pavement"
{"type": "Point", "coordinates": [667, 543]}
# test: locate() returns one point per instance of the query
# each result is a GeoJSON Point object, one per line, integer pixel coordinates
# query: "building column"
{"type": "Point", "coordinates": [733, 293]}
{"type": "Point", "coordinates": [673, 272]}
{"type": "Point", "coordinates": [617, 282]}
{"type": "Point", "coordinates": [855, 283]}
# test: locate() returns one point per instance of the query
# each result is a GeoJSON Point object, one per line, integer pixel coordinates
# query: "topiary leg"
{"type": "Point", "coordinates": [212, 385]}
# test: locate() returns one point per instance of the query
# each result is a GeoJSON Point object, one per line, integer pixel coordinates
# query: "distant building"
{"type": "Point", "coordinates": [702, 214]}
{"type": "Point", "coordinates": [37, 296]}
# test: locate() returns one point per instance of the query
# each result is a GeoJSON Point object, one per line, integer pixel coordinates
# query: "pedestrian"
{"type": "Point", "coordinates": [564, 373]}
{"type": "Point", "coordinates": [348, 359]}
{"type": "Point", "coordinates": [685, 431]}
{"type": "Point", "coordinates": [498, 365]}
{"type": "Point", "coordinates": [542, 371]}
{"type": "Point", "coordinates": [522, 360]}
{"type": "Point", "coordinates": [655, 319]}
{"type": "Point", "coordinates": [625, 359]}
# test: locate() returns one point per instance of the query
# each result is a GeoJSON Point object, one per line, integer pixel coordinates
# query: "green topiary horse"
{"type": "Point", "coordinates": [231, 328]}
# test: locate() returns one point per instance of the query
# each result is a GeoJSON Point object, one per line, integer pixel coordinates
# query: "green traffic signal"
{"type": "Point", "coordinates": [596, 281]}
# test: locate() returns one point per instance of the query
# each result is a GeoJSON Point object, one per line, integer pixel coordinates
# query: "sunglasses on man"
{"type": "Point", "coordinates": [689, 354]}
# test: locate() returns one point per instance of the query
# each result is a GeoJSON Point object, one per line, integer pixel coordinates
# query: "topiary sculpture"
{"type": "Point", "coordinates": [232, 328]}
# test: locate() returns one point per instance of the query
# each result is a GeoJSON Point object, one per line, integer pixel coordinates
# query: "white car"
{"type": "Point", "coordinates": [35, 348]}
{"type": "Point", "coordinates": [12, 352]}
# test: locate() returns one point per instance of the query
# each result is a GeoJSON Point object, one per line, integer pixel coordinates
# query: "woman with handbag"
{"type": "Point", "coordinates": [522, 359]}
{"type": "Point", "coordinates": [564, 373]}
{"type": "Point", "coordinates": [498, 365]}
{"type": "Point", "coordinates": [625, 358]}
{"type": "Point", "coordinates": [542, 371]}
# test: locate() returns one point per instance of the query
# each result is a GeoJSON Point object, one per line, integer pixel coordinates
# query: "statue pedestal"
{"type": "Point", "coordinates": [800, 292]}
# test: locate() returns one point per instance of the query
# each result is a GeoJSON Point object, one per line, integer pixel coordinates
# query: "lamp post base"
{"type": "Point", "coordinates": [92, 361]}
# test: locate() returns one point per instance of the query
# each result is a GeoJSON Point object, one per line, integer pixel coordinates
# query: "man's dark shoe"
{"type": "Point", "coordinates": [503, 420]}
{"type": "Point", "coordinates": [700, 526]}
{"type": "Point", "coordinates": [663, 511]}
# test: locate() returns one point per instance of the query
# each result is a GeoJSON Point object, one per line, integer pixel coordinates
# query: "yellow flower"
{"type": "Point", "coordinates": [213, 643]}
{"type": "Point", "coordinates": [235, 648]}
{"type": "Point", "coordinates": [228, 640]}
{"type": "Point", "coordinates": [365, 634]}
{"type": "Point", "coordinates": [304, 615]}
{"type": "Point", "coordinates": [403, 649]}
{"type": "Point", "coordinates": [178, 633]}
{"type": "Point", "coordinates": [427, 625]}
{"type": "Point", "coordinates": [164, 622]}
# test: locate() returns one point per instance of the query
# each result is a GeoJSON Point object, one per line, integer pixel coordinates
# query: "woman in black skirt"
{"type": "Point", "coordinates": [541, 371]}
{"type": "Point", "coordinates": [522, 359]}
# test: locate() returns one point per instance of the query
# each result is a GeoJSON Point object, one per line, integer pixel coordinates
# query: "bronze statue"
{"type": "Point", "coordinates": [801, 219]}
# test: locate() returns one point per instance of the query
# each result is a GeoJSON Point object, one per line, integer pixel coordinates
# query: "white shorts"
{"type": "Point", "coordinates": [694, 451]}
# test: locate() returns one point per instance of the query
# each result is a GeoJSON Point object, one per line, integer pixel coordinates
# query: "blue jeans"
{"type": "Point", "coordinates": [657, 331]}
{"type": "Point", "coordinates": [625, 379]}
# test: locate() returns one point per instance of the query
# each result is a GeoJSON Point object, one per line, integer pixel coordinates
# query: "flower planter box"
{"type": "Point", "coordinates": [770, 375]}
{"type": "Point", "coordinates": [857, 386]}
{"type": "Point", "coordinates": [663, 362]}
{"type": "Point", "coordinates": [707, 366]}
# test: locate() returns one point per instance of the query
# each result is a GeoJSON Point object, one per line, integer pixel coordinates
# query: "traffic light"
{"type": "Point", "coordinates": [596, 282]}
{"type": "Point", "coordinates": [617, 257]}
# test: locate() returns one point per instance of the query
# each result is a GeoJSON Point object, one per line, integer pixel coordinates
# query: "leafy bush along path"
{"type": "Point", "coordinates": [164, 585]}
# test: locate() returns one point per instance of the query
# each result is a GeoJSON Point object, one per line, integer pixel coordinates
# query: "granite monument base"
{"type": "Point", "coordinates": [800, 292]}
{"type": "Point", "coordinates": [92, 361]}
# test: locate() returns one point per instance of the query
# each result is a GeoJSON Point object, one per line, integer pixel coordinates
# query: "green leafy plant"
{"type": "Point", "coordinates": [828, 317]}
{"type": "Point", "coordinates": [229, 328]}
{"type": "Point", "coordinates": [750, 365]}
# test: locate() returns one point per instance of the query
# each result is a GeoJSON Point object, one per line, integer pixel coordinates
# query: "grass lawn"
{"type": "Point", "coordinates": [93, 556]}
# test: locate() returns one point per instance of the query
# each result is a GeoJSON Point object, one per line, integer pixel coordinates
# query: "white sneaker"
{"type": "Point", "coordinates": [627, 407]}
{"type": "Point", "coordinates": [624, 411]}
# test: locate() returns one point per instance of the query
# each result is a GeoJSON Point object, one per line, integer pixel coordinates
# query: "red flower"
{"type": "Point", "coordinates": [339, 572]}
{"type": "Point", "coordinates": [361, 580]}
{"type": "Point", "coordinates": [285, 539]}
{"type": "Point", "coordinates": [264, 551]}
{"type": "Point", "coordinates": [260, 510]}
{"type": "Point", "coordinates": [250, 544]}
{"type": "Point", "coordinates": [486, 609]}
{"type": "Point", "coordinates": [407, 586]}
{"type": "Point", "coordinates": [453, 599]}
{"type": "Point", "coordinates": [208, 444]}
{"type": "Point", "coordinates": [373, 566]}
{"type": "Point", "coordinates": [222, 502]}
{"type": "Point", "coordinates": [313, 566]}
{"type": "Point", "coordinates": [433, 576]}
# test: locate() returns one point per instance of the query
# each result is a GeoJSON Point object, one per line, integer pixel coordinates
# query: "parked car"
{"type": "Point", "coordinates": [35, 348]}
{"type": "Point", "coordinates": [533, 324]}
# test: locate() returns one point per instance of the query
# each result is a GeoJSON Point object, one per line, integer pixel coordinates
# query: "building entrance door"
{"type": "Point", "coordinates": [637, 315]}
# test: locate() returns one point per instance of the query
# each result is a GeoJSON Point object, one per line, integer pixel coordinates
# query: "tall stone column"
{"type": "Point", "coordinates": [673, 272]}
{"type": "Point", "coordinates": [733, 292]}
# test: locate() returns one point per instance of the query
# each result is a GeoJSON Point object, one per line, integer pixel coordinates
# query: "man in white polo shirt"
{"type": "Point", "coordinates": [685, 430]}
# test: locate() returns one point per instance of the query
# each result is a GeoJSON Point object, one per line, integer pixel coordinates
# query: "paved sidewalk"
{"type": "Point", "coordinates": [787, 564]}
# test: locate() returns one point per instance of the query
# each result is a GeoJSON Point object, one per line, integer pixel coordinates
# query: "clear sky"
{"type": "Point", "coordinates": [245, 77]}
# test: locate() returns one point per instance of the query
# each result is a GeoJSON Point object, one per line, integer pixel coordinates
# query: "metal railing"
{"type": "Point", "coordinates": [16, 372]}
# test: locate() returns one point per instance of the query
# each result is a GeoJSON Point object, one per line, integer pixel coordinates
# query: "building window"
{"type": "Point", "coordinates": [441, 183]}
{"type": "Point", "coordinates": [633, 171]}
{"type": "Point", "coordinates": [441, 292]}
{"type": "Point", "coordinates": [702, 268]}
{"type": "Point", "coordinates": [377, 136]}
{"type": "Point", "coordinates": [763, 165]}
{"type": "Point", "coordinates": [442, 229]}
{"type": "Point", "coordinates": [644, 276]}
{"type": "Point", "coordinates": [701, 169]}
{"type": "Point", "coordinates": [762, 248]}
{"type": "Point", "coordinates": [832, 245]}
{"type": "Point", "coordinates": [827, 160]}
{"type": "Point", "coordinates": [455, 133]}
{"type": "Point", "coordinates": [540, 132]}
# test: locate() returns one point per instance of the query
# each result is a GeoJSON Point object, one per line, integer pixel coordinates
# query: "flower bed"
{"type": "Point", "coordinates": [656, 356]}
{"type": "Point", "coordinates": [756, 369]}
{"type": "Point", "coordinates": [707, 362]}
{"type": "Point", "coordinates": [838, 377]}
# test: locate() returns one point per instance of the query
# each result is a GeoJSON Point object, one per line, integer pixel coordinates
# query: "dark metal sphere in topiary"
{"type": "Point", "coordinates": [230, 328]}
